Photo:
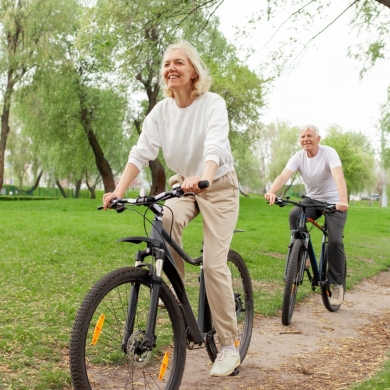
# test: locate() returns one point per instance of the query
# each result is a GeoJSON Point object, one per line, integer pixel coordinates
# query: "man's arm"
{"type": "Point", "coordinates": [278, 183]}
{"type": "Point", "coordinates": [338, 176]}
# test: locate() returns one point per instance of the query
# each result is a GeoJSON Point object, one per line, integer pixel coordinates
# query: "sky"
{"type": "Point", "coordinates": [324, 88]}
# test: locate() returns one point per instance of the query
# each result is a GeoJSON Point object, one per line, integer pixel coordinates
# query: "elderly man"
{"type": "Point", "coordinates": [321, 170]}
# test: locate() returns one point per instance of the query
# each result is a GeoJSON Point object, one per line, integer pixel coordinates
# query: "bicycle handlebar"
{"type": "Point", "coordinates": [284, 202]}
{"type": "Point", "coordinates": [118, 204]}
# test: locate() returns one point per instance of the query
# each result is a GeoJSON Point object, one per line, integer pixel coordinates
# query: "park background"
{"type": "Point", "coordinates": [77, 79]}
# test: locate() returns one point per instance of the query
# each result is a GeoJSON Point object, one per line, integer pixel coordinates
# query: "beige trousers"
{"type": "Point", "coordinates": [219, 208]}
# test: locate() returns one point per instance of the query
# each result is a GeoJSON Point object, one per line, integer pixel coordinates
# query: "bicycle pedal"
{"type": "Point", "coordinates": [235, 372]}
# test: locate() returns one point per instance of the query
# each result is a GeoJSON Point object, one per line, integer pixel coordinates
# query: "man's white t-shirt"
{"type": "Point", "coordinates": [316, 173]}
{"type": "Point", "coordinates": [188, 137]}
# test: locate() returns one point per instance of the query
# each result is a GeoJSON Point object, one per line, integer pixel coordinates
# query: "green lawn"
{"type": "Point", "coordinates": [53, 251]}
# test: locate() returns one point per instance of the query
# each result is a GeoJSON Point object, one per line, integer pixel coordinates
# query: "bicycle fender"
{"type": "Point", "coordinates": [139, 239]}
{"type": "Point", "coordinates": [176, 281]}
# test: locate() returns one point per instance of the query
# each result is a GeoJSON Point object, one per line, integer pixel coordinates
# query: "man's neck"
{"type": "Point", "coordinates": [313, 153]}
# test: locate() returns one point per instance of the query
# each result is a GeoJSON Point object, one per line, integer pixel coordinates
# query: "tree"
{"type": "Point", "coordinates": [73, 123]}
{"type": "Point", "coordinates": [26, 32]}
{"type": "Point", "coordinates": [356, 156]}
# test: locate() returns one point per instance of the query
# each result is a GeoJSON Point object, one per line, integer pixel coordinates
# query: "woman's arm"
{"type": "Point", "coordinates": [128, 175]}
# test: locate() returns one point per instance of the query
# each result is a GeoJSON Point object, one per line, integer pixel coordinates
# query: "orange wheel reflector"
{"type": "Point", "coordinates": [237, 343]}
{"type": "Point", "coordinates": [164, 365]}
{"type": "Point", "coordinates": [98, 329]}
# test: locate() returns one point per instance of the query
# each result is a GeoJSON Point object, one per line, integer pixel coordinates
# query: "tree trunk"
{"type": "Point", "coordinates": [101, 163]}
{"type": "Point", "coordinates": [158, 177]}
{"type": "Point", "coordinates": [386, 3]}
{"type": "Point", "coordinates": [36, 184]}
{"type": "Point", "coordinates": [14, 74]}
{"type": "Point", "coordinates": [77, 190]}
{"type": "Point", "coordinates": [63, 193]}
{"type": "Point", "coordinates": [92, 190]}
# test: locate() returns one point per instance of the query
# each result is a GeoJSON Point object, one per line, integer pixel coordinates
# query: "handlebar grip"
{"type": "Point", "coordinates": [203, 184]}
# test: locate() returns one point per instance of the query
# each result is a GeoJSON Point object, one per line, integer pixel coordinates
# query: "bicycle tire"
{"type": "Point", "coordinates": [291, 281]}
{"type": "Point", "coordinates": [243, 294]}
{"type": "Point", "coordinates": [326, 293]}
{"type": "Point", "coordinates": [105, 364]}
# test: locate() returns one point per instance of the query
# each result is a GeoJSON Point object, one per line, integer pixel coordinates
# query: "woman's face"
{"type": "Point", "coordinates": [178, 71]}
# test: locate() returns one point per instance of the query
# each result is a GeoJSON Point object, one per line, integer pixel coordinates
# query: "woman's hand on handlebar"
{"type": "Point", "coordinates": [107, 199]}
{"type": "Point", "coordinates": [270, 197]}
{"type": "Point", "coordinates": [190, 184]}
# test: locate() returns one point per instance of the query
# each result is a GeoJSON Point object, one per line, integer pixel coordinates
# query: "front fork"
{"type": "Point", "coordinates": [149, 340]}
{"type": "Point", "coordinates": [307, 249]}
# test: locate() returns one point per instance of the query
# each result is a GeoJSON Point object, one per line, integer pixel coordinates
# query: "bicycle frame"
{"type": "Point", "coordinates": [318, 278]}
{"type": "Point", "coordinates": [157, 246]}
{"type": "Point", "coordinates": [299, 250]}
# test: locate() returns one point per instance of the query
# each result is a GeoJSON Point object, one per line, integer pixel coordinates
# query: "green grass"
{"type": "Point", "coordinates": [53, 251]}
{"type": "Point", "coordinates": [380, 381]}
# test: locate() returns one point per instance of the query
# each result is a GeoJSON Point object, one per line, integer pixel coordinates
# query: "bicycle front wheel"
{"type": "Point", "coordinates": [292, 281]}
{"type": "Point", "coordinates": [102, 357]}
{"type": "Point", "coordinates": [243, 296]}
{"type": "Point", "coordinates": [326, 293]}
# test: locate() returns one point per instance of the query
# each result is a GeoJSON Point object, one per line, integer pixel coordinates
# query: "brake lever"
{"type": "Point", "coordinates": [280, 203]}
{"type": "Point", "coordinates": [115, 205]}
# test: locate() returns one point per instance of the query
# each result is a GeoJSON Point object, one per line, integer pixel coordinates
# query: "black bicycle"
{"type": "Point", "coordinates": [300, 249]}
{"type": "Point", "coordinates": [124, 338]}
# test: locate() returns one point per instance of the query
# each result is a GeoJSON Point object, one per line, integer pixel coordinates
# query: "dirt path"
{"type": "Point", "coordinates": [319, 350]}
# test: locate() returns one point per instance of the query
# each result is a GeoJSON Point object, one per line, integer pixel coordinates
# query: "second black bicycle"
{"type": "Point", "coordinates": [301, 258]}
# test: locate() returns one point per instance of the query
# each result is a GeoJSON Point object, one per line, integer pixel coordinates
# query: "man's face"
{"type": "Point", "coordinates": [309, 141]}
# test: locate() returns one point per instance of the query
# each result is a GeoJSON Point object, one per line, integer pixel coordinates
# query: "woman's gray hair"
{"type": "Point", "coordinates": [202, 82]}
{"type": "Point", "coordinates": [310, 127]}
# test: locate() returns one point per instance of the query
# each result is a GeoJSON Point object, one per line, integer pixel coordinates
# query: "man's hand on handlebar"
{"type": "Point", "coordinates": [270, 197]}
{"type": "Point", "coordinates": [342, 206]}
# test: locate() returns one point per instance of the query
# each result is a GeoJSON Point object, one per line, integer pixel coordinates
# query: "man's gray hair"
{"type": "Point", "coordinates": [310, 127]}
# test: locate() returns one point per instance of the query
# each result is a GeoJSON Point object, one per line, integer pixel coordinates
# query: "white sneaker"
{"type": "Point", "coordinates": [225, 363]}
{"type": "Point", "coordinates": [337, 295]}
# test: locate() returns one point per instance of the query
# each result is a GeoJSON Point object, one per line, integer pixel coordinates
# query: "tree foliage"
{"type": "Point", "coordinates": [87, 61]}
{"type": "Point", "coordinates": [284, 144]}
{"type": "Point", "coordinates": [385, 132]}
{"type": "Point", "coordinates": [356, 156]}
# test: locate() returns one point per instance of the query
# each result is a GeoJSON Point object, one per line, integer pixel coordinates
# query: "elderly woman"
{"type": "Point", "coordinates": [191, 126]}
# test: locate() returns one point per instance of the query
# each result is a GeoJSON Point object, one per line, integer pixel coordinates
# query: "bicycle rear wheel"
{"type": "Point", "coordinates": [243, 295]}
{"type": "Point", "coordinates": [292, 278]}
{"type": "Point", "coordinates": [326, 292]}
{"type": "Point", "coordinates": [98, 360]}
